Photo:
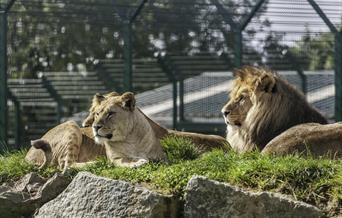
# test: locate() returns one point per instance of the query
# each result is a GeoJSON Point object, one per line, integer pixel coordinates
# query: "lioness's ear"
{"type": "Point", "coordinates": [128, 101]}
{"type": "Point", "coordinates": [89, 120]}
{"type": "Point", "coordinates": [98, 98]}
{"type": "Point", "coordinates": [266, 82]}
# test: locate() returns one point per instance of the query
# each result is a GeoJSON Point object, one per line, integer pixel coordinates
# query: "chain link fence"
{"type": "Point", "coordinates": [176, 55]}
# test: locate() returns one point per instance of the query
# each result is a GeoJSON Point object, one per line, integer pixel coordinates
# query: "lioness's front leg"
{"type": "Point", "coordinates": [82, 164]}
{"type": "Point", "coordinates": [129, 162]}
{"type": "Point", "coordinates": [76, 165]}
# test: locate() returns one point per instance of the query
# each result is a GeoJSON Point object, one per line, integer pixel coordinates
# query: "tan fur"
{"type": "Point", "coordinates": [131, 138]}
{"type": "Point", "coordinates": [202, 141]}
{"type": "Point", "coordinates": [64, 146]}
{"type": "Point", "coordinates": [262, 105]}
{"type": "Point", "coordinates": [67, 144]}
{"type": "Point", "coordinates": [308, 139]}
{"type": "Point", "coordinates": [136, 139]}
{"type": "Point", "coordinates": [88, 121]}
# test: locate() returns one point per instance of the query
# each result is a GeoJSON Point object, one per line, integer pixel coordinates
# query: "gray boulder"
{"type": "Point", "coordinates": [29, 193]}
{"type": "Point", "coordinates": [93, 196]}
{"type": "Point", "coordinates": [208, 198]}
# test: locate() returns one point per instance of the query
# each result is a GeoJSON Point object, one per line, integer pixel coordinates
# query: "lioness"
{"type": "Point", "coordinates": [309, 139]}
{"type": "Point", "coordinates": [130, 137]}
{"type": "Point", "coordinates": [66, 145]}
{"type": "Point", "coordinates": [69, 145]}
{"type": "Point", "coordinates": [262, 105]}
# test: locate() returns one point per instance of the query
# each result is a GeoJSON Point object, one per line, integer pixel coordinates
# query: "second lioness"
{"type": "Point", "coordinates": [66, 145]}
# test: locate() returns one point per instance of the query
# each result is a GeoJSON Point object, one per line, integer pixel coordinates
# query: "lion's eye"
{"type": "Point", "coordinates": [110, 114]}
{"type": "Point", "coordinates": [242, 99]}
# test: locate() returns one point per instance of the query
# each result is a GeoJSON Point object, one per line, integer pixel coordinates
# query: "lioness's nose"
{"type": "Point", "coordinates": [226, 112]}
{"type": "Point", "coordinates": [97, 127]}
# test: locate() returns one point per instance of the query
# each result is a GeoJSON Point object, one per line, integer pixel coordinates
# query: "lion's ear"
{"type": "Point", "coordinates": [111, 94]}
{"type": "Point", "coordinates": [244, 72]}
{"type": "Point", "coordinates": [239, 73]}
{"type": "Point", "coordinates": [128, 101]}
{"type": "Point", "coordinates": [265, 83]}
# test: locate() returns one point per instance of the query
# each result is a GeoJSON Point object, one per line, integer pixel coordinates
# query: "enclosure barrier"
{"type": "Point", "coordinates": [131, 20]}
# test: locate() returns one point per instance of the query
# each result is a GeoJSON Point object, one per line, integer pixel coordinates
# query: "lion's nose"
{"type": "Point", "coordinates": [226, 113]}
{"type": "Point", "coordinates": [97, 127]}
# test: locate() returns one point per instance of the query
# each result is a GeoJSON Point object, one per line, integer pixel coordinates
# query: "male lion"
{"type": "Point", "coordinates": [262, 105]}
{"type": "Point", "coordinates": [130, 137]}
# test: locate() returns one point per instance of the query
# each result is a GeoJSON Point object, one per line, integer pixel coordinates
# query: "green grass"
{"type": "Point", "coordinates": [13, 167]}
{"type": "Point", "coordinates": [315, 181]}
{"type": "Point", "coordinates": [179, 149]}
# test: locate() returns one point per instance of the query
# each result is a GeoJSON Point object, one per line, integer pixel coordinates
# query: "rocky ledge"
{"type": "Point", "coordinates": [92, 196]}
{"type": "Point", "coordinates": [31, 192]}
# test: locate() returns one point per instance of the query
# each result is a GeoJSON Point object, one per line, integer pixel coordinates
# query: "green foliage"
{"type": "Point", "coordinates": [47, 36]}
{"type": "Point", "coordinates": [316, 181]}
{"type": "Point", "coordinates": [315, 52]}
{"type": "Point", "coordinates": [179, 148]}
{"type": "Point", "coordinates": [13, 166]}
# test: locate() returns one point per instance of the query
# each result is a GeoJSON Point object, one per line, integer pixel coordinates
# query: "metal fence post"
{"type": "Point", "coordinates": [18, 124]}
{"type": "Point", "coordinates": [338, 76]}
{"type": "Point", "coordinates": [127, 34]}
{"type": "Point", "coordinates": [17, 117]}
{"type": "Point", "coordinates": [3, 76]}
{"type": "Point", "coordinates": [167, 67]}
{"type": "Point", "coordinates": [55, 96]}
{"type": "Point", "coordinates": [237, 27]}
{"type": "Point", "coordinates": [175, 108]}
{"type": "Point", "coordinates": [127, 55]}
{"type": "Point", "coordinates": [337, 59]}
{"type": "Point", "coordinates": [181, 100]}
{"type": "Point", "coordinates": [237, 47]}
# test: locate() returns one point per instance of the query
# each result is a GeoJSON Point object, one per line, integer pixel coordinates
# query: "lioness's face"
{"type": "Point", "coordinates": [96, 103]}
{"type": "Point", "coordinates": [113, 119]}
{"type": "Point", "coordinates": [236, 110]}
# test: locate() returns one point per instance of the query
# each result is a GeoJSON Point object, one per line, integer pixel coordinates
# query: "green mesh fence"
{"type": "Point", "coordinates": [176, 55]}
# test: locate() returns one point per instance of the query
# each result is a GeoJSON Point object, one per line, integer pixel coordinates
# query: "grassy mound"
{"type": "Point", "coordinates": [315, 181]}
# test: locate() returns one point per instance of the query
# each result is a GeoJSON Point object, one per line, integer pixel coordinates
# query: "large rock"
{"type": "Point", "coordinates": [30, 193]}
{"type": "Point", "coordinates": [207, 198]}
{"type": "Point", "coordinates": [92, 196]}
